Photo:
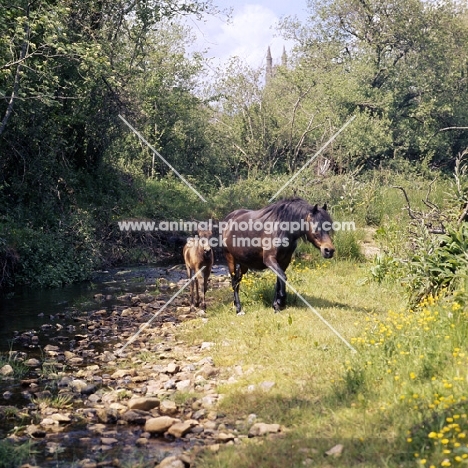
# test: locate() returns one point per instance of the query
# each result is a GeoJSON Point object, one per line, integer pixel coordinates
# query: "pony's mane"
{"type": "Point", "coordinates": [291, 209]}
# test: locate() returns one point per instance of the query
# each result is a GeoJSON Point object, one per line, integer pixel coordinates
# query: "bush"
{"type": "Point", "coordinates": [52, 258]}
{"type": "Point", "coordinates": [439, 263]}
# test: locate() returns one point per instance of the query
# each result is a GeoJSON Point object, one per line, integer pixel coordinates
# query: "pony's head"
{"type": "Point", "coordinates": [320, 230]}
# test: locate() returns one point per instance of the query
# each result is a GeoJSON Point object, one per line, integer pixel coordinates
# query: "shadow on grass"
{"type": "Point", "coordinates": [303, 443]}
{"type": "Point", "coordinates": [265, 295]}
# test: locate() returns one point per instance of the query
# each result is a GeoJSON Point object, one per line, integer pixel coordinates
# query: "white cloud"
{"type": "Point", "coordinates": [248, 35]}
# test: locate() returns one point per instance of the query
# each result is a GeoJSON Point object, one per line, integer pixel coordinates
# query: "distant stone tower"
{"type": "Point", "coordinates": [269, 66]}
{"type": "Point", "coordinates": [270, 69]}
{"type": "Point", "coordinates": [284, 58]}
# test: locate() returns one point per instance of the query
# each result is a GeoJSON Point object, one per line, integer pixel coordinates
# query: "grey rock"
{"type": "Point", "coordinates": [160, 424]}
{"type": "Point", "coordinates": [168, 408]}
{"type": "Point", "coordinates": [143, 403]}
{"type": "Point", "coordinates": [260, 429]}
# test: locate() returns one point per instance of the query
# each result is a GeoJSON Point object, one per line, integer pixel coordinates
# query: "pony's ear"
{"type": "Point", "coordinates": [324, 207]}
{"type": "Point", "coordinates": [315, 209]}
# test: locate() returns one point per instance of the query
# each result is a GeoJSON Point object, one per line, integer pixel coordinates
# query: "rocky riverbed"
{"type": "Point", "coordinates": [112, 386]}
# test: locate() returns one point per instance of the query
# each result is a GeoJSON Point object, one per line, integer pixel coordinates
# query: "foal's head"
{"type": "Point", "coordinates": [204, 241]}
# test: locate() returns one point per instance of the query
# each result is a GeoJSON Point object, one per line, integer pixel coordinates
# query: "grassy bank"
{"type": "Point", "coordinates": [398, 401]}
{"type": "Point", "coordinates": [63, 239]}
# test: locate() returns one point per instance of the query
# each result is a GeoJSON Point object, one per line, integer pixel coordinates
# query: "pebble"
{"type": "Point", "coordinates": [160, 425]}
{"type": "Point", "coordinates": [6, 370]}
{"type": "Point", "coordinates": [128, 392]}
{"type": "Point", "coordinates": [260, 429]}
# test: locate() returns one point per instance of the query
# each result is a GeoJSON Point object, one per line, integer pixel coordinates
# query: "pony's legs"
{"type": "Point", "coordinates": [279, 302]}
{"type": "Point", "coordinates": [236, 273]}
{"type": "Point", "coordinates": [236, 280]}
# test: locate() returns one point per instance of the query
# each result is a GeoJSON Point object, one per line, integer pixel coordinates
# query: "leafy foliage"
{"type": "Point", "coordinates": [439, 264]}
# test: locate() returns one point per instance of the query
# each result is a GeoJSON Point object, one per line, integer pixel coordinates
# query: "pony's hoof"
{"type": "Point", "coordinates": [278, 307]}
{"type": "Point", "coordinates": [241, 313]}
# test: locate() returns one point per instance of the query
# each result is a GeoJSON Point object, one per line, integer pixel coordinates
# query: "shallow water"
{"type": "Point", "coordinates": [58, 316]}
{"type": "Point", "coordinates": [29, 309]}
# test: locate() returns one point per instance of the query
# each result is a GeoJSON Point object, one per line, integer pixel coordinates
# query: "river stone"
{"type": "Point", "coordinates": [199, 414]}
{"type": "Point", "coordinates": [141, 442]}
{"type": "Point", "coordinates": [169, 385]}
{"type": "Point", "coordinates": [335, 451]}
{"type": "Point", "coordinates": [172, 368]}
{"type": "Point", "coordinates": [89, 389]}
{"type": "Point", "coordinates": [209, 401]}
{"type": "Point", "coordinates": [107, 356]}
{"type": "Point", "coordinates": [210, 425]}
{"type": "Point", "coordinates": [108, 441]}
{"type": "Point", "coordinates": [117, 406]}
{"type": "Point", "coordinates": [168, 408]}
{"type": "Point", "coordinates": [208, 371]}
{"type": "Point", "coordinates": [212, 416]}
{"type": "Point", "coordinates": [267, 386]}
{"type": "Point", "coordinates": [119, 374]}
{"type": "Point", "coordinates": [35, 431]}
{"type": "Point", "coordinates": [126, 313]}
{"type": "Point", "coordinates": [183, 385]}
{"type": "Point", "coordinates": [143, 403]}
{"type": "Point", "coordinates": [33, 362]}
{"type": "Point", "coordinates": [6, 370]}
{"type": "Point", "coordinates": [260, 429]}
{"type": "Point", "coordinates": [107, 415]}
{"type": "Point", "coordinates": [224, 438]}
{"type": "Point", "coordinates": [160, 425]}
{"type": "Point", "coordinates": [206, 345]}
{"type": "Point", "coordinates": [61, 418]}
{"type": "Point", "coordinates": [78, 385]}
{"type": "Point", "coordinates": [76, 361]}
{"type": "Point", "coordinates": [94, 398]}
{"type": "Point", "coordinates": [48, 422]}
{"type": "Point", "coordinates": [178, 430]}
{"type": "Point", "coordinates": [69, 355]}
{"type": "Point", "coordinates": [135, 416]}
{"type": "Point", "coordinates": [171, 462]}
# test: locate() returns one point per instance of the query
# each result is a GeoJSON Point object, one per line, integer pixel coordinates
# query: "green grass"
{"type": "Point", "coordinates": [383, 403]}
{"type": "Point", "coordinates": [19, 368]}
{"type": "Point", "coordinates": [13, 455]}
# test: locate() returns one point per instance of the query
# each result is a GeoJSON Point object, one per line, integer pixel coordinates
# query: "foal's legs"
{"type": "Point", "coordinates": [204, 281]}
{"type": "Point", "coordinates": [190, 275]}
{"type": "Point", "coordinates": [197, 287]}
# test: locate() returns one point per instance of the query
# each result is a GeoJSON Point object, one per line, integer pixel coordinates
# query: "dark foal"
{"type": "Point", "coordinates": [198, 254]}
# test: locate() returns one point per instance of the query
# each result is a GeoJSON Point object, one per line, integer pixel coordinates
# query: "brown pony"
{"type": "Point", "coordinates": [198, 254]}
{"type": "Point", "coordinates": [267, 238]}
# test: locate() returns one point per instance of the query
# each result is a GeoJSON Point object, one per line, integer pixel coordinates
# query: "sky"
{"type": "Point", "coordinates": [250, 31]}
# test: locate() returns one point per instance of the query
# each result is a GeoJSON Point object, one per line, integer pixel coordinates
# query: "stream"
{"type": "Point", "coordinates": [86, 321]}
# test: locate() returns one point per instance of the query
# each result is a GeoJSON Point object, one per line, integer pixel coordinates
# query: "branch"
{"type": "Point", "coordinates": [410, 211]}
{"type": "Point", "coordinates": [464, 215]}
{"type": "Point", "coordinates": [422, 218]}
{"type": "Point", "coordinates": [451, 128]}
{"type": "Point", "coordinates": [16, 82]}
